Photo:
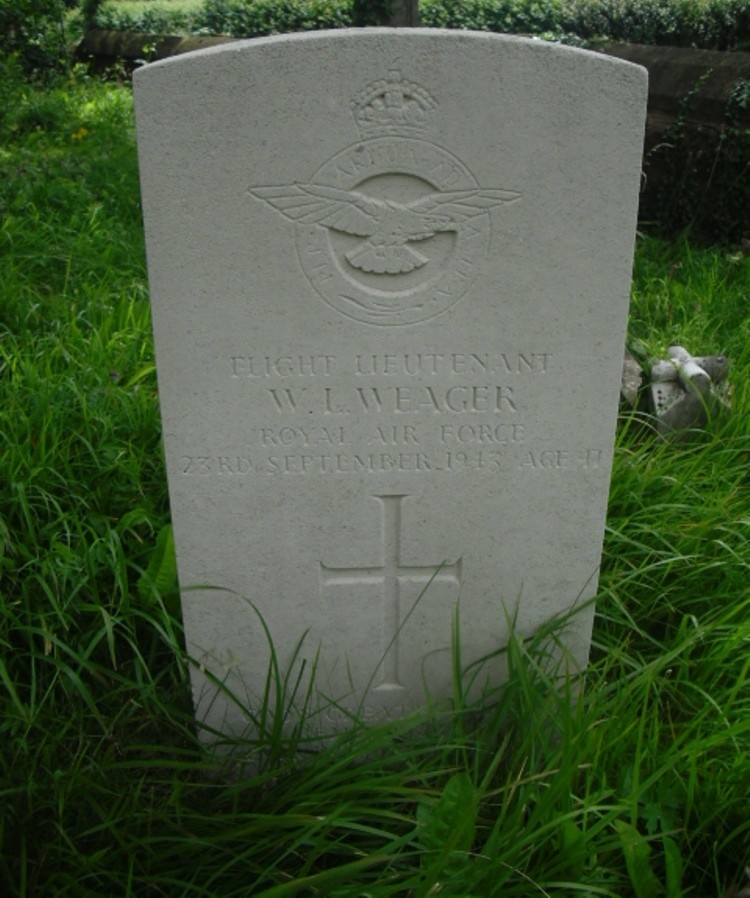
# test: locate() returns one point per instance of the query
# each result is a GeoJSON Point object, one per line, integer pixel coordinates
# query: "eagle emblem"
{"type": "Point", "coordinates": [388, 228]}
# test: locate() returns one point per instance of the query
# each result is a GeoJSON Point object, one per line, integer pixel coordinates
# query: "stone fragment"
{"type": "Point", "coordinates": [686, 391]}
{"type": "Point", "coordinates": [631, 383]}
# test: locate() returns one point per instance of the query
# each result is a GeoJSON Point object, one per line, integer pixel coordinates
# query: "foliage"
{"type": "Point", "coordinates": [233, 17]}
{"type": "Point", "coordinates": [371, 12]}
{"type": "Point", "coordinates": [702, 174]}
{"type": "Point", "coordinates": [264, 17]}
{"type": "Point", "coordinates": [683, 293]}
{"type": "Point", "coordinates": [81, 493]}
{"type": "Point", "coordinates": [150, 16]}
{"type": "Point", "coordinates": [89, 10]}
{"type": "Point", "coordinates": [708, 24]}
{"type": "Point", "coordinates": [509, 16]}
{"type": "Point", "coordinates": [632, 781]}
{"type": "Point", "coordinates": [35, 31]}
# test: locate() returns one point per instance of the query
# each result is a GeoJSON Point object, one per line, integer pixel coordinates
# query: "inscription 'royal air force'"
{"type": "Point", "coordinates": [390, 231]}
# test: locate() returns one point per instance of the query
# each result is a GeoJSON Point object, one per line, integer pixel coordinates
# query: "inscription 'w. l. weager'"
{"type": "Point", "coordinates": [389, 277]}
{"type": "Point", "coordinates": [342, 202]}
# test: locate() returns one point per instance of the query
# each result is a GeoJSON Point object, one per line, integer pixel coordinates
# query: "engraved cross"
{"type": "Point", "coordinates": [390, 575]}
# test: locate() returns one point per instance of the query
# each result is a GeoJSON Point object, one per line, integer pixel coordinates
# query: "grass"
{"type": "Point", "coordinates": [633, 782]}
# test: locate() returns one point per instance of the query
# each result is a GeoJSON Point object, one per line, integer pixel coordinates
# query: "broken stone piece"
{"type": "Point", "coordinates": [631, 383]}
{"type": "Point", "coordinates": [683, 394]}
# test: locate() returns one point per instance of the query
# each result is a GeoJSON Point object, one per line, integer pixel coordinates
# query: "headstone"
{"type": "Point", "coordinates": [389, 273]}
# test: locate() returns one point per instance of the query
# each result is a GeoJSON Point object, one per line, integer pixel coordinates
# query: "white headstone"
{"type": "Point", "coordinates": [389, 273]}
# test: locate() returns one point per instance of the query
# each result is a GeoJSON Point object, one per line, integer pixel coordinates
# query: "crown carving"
{"type": "Point", "coordinates": [392, 106]}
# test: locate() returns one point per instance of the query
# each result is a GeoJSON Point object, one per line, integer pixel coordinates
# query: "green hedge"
{"type": "Point", "coordinates": [707, 24]}
{"type": "Point", "coordinates": [238, 18]}
{"type": "Point", "coordinates": [156, 17]}
{"type": "Point", "coordinates": [261, 17]}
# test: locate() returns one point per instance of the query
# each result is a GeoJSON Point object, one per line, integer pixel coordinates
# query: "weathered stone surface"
{"type": "Point", "coordinates": [390, 275]}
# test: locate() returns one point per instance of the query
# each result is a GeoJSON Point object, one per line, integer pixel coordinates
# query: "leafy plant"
{"type": "Point", "coordinates": [708, 24]}
{"type": "Point", "coordinates": [160, 577]}
{"type": "Point", "coordinates": [35, 30]}
{"type": "Point", "coordinates": [447, 827]}
{"type": "Point", "coordinates": [264, 17]}
{"type": "Point", "coordinates": [703, 174]}
{"type": "Point", "coordinates": [148, 16]}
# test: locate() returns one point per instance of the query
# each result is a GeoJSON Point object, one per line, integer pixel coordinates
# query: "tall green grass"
{"type": "Point", "coordinates": [629, 781]}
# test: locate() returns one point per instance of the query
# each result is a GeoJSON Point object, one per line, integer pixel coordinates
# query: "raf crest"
{"type": "Point", "coordinates": [391, 230]}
